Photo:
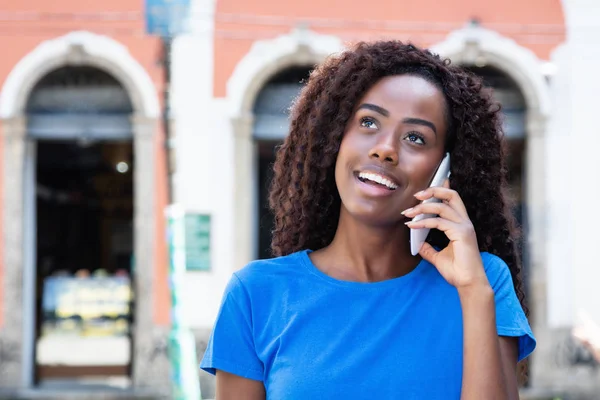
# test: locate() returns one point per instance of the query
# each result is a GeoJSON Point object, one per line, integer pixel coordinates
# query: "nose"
{"type": "Point", "coordinates": [385, 151]}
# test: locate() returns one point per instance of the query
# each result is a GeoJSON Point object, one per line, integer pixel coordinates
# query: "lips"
{"type": "Point", "coordinates": [375, 184]}
{"type": "Point", "coordinates": [379, 179]}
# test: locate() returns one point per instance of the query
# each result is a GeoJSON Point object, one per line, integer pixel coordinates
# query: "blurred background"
{"type": "Point", "coordinates": [136, 140]}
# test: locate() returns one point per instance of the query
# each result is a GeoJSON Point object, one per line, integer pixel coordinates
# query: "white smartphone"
{"type": "Point", "coordinates": [418, 236]}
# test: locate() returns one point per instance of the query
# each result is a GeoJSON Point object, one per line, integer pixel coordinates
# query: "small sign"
{"type": "Point", "coordinates": [197, 242]}
{"type": "Point", "coordinates": [167, 18]}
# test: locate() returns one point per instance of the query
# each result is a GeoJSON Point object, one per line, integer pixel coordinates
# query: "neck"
{"type": "Point", "coordinates": [366, 253]}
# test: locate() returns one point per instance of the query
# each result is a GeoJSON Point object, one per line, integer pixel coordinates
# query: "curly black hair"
{"type": "Point", "coordinates": [304, 197]}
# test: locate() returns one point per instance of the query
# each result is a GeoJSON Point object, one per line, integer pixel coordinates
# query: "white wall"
{"type": "Point", "coordinates": [583, 36]}
{"type": "Point", "coordinates": [204, 154]}
{"type": "Point", "coordinates": [559, 235]}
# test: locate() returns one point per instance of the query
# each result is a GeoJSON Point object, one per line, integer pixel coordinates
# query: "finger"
{"type": "Point", "coordinates": [433, 223]}
{"type": "Point", "coordinates": [446, 184]}
{"type": "Point", "coordinates": [428, 253]}
{"type": "Point", "coordinates": [441, 209]}
{"type": "Point", "coordinates": [452, 230]}
{"type": "Point", "coordinates": [448, 196]}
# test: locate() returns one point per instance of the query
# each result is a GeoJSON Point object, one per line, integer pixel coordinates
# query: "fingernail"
{"type": "Point", "coordinates": [406, 211]}
{"type": "Point", "coordinates": [419, 193]}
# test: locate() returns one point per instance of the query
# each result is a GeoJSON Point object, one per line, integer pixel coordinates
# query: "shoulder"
{"type": "Point", "coordinates": [268, 268]}
{"type": "Point", "coordinates": [492, 262]}
{"type": "Point", "coordinates": [263, 274]}
{"type": "Point", "coordinates": [496, 269]}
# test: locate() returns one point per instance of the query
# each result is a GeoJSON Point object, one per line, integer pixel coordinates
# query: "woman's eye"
{"type": "Point", "coordinates": [415, 138]}
{"type": "Point", "coordinates": [368, 123]}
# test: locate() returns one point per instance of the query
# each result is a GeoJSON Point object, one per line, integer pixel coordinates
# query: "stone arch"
{"type": "Point", "coordinates": [474, 44]}
{"type": "Point", "coordinates": [79, 48]}
{"type": "Point", "coordinates": [265, 59]}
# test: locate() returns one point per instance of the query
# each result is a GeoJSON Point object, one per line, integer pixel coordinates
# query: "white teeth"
{"type": "Point", "coordinates": [378, 178]}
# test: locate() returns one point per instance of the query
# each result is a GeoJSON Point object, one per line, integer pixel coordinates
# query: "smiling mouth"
{"type": "Point", "coordinates": [376, 179]}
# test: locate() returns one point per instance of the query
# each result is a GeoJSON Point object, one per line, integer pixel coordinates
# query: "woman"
{"type": "Point", "coordinates": [345, 311]}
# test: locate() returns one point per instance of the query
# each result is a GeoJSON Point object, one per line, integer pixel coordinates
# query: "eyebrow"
{"type": "Point", "coordinates": [375, 108]}
{"type": "Point", "coordinates": [422, 122]}
{"type": "Point", "coordinates": [386, 113]}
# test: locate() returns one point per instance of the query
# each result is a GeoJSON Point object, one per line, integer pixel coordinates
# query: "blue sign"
{"type": "Point", "coordinates": [167, 18]}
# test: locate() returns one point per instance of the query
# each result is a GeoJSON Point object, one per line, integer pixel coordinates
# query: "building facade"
{"type": "Point", "coordinates": [83, 276]}
{"type": "Point", "coordinates": [241, 65]}
{"type": "Point", "coordinates": [84, 179]}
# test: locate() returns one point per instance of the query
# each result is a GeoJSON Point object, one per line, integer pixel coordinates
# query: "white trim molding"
{"type": "Point", "coordinates": [267, 57]}
{"type": "Point", "coordinates": [79, 48]}
{"type": "Point", "coordinates": [473, 45]}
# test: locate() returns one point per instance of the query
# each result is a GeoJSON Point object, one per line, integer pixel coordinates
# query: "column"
{"type": "Point", "coordinates": [535, 171]}
{"type": "Point", "coordinates": [244, 191]}
{"type": "Point", "coordinates": [11, 333]}
{"type": "Point", "coordinates": [150, 366]}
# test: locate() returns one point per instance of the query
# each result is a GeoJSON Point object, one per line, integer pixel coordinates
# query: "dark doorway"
{"type": "Point", "coordinates": [79, 122]}
{"type": "Point", "coordinates": [84, 258]}
{"type": "Point", "coordinates": [271, 126]}
{"type": "Point", "coordinates": [514, 110]}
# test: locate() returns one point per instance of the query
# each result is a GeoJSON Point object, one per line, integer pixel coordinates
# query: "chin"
{"type": "Point", "coordinates": [375, 217]}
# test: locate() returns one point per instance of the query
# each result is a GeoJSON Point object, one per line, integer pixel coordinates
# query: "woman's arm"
{"type": "Point", "coordinates": [234, 387]}
{"type": "Point", "coordinates": [489, 368]}
{"type": "Point", "coordinates": [489, 361]}
{"type": "Point", "coordinates": [509, 352]}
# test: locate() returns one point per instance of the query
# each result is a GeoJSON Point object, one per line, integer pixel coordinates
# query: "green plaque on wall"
{"type": "Point", "coordinates": [197, 242]}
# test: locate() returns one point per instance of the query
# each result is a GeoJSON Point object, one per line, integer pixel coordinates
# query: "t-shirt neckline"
{"type": "Point", "coordinates": [393, 282]}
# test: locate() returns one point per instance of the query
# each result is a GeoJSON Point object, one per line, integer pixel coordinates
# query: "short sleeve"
{"type": "Point", "coordinates": [231, 344]}
{"type": "Point", "coordinates": [510, 317]}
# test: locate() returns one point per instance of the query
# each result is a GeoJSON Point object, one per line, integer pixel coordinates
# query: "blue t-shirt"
{"type": "Point", "coordinates": [307, 335]}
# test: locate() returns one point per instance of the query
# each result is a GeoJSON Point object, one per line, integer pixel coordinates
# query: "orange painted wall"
{"type": "Point", "coordinates": [536, 24]}
{"type": "Point", "coordinates": [26, 24]}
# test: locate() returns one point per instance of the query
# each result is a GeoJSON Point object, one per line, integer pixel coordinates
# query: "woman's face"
{"type": "Point", "coordinates": [391, 148]}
